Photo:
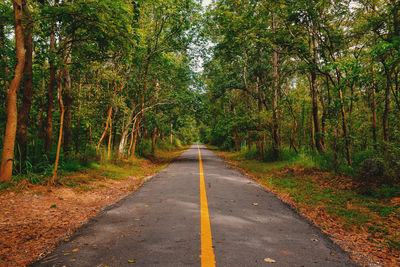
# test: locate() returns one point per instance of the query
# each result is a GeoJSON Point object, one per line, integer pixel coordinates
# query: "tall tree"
{"type": "Point", "coordinates": [7, 159]}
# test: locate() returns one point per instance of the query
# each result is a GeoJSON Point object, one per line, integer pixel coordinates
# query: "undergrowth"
{"type": "Point", "coordinates": [81, 169]}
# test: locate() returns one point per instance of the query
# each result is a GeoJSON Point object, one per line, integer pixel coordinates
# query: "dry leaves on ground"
{"type": "Point", "coordinates": [33, 222]}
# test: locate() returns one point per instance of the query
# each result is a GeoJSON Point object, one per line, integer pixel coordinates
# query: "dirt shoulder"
{"type": "Point", "coordinates": [365, 226]}
{"type": "Point", "coordinates": [35, 218]}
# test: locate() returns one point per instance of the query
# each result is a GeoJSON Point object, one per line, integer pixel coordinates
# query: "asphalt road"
{"type": "Point", "coordinates": [160, 224]}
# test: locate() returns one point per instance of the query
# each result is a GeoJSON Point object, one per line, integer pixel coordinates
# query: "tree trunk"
{"type": "Point", "coordinates": [60, 100]}
{"type": "Point", "coordinates": [105, 129]}
{"type": "Point", "coordinates": [295, 124]}
{"type": "Point", "coordinates": [109, 113]}
{"type": "Point", "coordinates": [374, 124]}
{"type": "Point", "coordinates": [153, 140]}
{"type": "Point", "coordinates": [170, 136]}
{"type": "Point", "coordinates": [259, 127]}
{"type": "Point", "coordinates": [344, 127]}
{"type": "Point", "coordinates": [314, 91]}
{"type": "Point", "coordinates": [3, 56]}
{"type": "Point", "coordinates": [67, 95]}
{"type": "Point", "coordinates": [132, 134]}
{"type": "Point", "coordinates": [275, 123]}
{"type": "Point", "coordinates": [147, 63]}
{"type": "Point", "coordinates": [124, 136]}
{"type": "Point", "coordinates": [385, 119]}
{"type": "Point", "coordinates": [109, 140]}
{"type": "Point", "coordinates": [78, 121]}
{"type": "Point", "coordinates": [323, 120]}
{"type": "Point", "coordinates": [50, 92]}
{"type": "Point", "coordinates": [7, 158]}
{"type": "Point", "coordinates": [27, 90]}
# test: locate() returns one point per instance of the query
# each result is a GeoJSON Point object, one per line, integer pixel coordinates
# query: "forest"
{"type": "Point", "coordinates": [304, 95]}
{"type": "Point", "coordinates": [312, 78]}
{"type": "Point", "coordinates": [109, 79]}
{"type": "Point", "coordinates": [90, 80]}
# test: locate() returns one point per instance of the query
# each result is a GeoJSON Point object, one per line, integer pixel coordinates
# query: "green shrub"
{"type": "Point", "coordinates": [143, 148]}
{"type": "Point", "coordinates": [164, 145]}
{"type": "Point", "coordinates": [372, 171]}
{"type": "Point", "coordinates": [377, 171]}
{"type": "Point", "coordinates": [177, 142]}
{"type": "Point", "coordinates": [250, 153]}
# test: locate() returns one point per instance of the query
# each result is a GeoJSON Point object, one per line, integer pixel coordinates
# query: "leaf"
{"type": "Point", "coordinates": [132, 261]}
{"type": "Point", "coordinates": [53, 206]}
{"type": "Point", "coordinates": [255, 204]}
{"type": "Point", "coordinates": [269, 260]}
{"type": "Point", "coordinates": [75, 250]}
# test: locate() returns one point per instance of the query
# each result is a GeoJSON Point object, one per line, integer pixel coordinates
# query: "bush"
{"type": "Point", "coordinates": [177, 142]}
{"type": "Point", "coordinates": [378, 171]}
{"type": "Point", "coordinates": [143, 148]}
{"type": "Point", "coordinates": [372, 170]}
{"type": "Point", "coordinates": [165, 146]}
{"type": "Point", "coordinates": [270, 156]}
{"type": "Point", "coordinates": [250, 153]}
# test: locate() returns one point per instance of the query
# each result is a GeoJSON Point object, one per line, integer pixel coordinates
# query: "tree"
{"type": "Point", "coordinates": [7, 159]}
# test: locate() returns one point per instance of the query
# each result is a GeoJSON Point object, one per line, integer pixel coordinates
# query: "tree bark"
{"type": "Point", "coordinates": [50, 90]}
{"type": "Point", "coordinates": [323, 120]}
{"type": "Point", "coordinates": [132, 134]}
{"type": "Point", "coordinates": [344, 128]}
{"type": "Point", "coordinates": [147, 63]}
{"type": "Point", "coordinates": [27, 90]}
{"type": "Point", "coordinates": [7, 158]}
{"type": "Point", "coordinates": [153, 140]}
{"type": "Point", "coordinates": [109, 140]}
{"type": "Point", "coordinates": [295, 124]}
{"type": "Point", "coordinates": [124, 136]}
{"type": "Point", "coordinates": [275, 123]}
{"type": "Point", "coordinates": [170, 136]}
{"type": "Point", "coordinates": [374, 124]}
{"type": "Point", "coordinates": [385, 119]}
{"type": "Point", "coordinates": [105, 129]}
{"type": "Point", "coordinates": [109, 113]}
{"type": "Point", "coordinates": [3, 56]}
{"type": "Point", "coordinates": [62, 109]}
{"type": "Point", "coordinates": [68, 100]}
{"type": "Point", "coordinates": [314, 92]}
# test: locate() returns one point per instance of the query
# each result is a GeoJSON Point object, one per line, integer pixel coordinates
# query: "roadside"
{"type": "Point", "coordinates": [367, 226]}
{"type": "Point", "coordinates": [35, 218]}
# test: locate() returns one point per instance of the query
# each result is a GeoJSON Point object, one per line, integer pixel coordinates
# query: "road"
{"type": "Point", "coordinates": [184, 218]}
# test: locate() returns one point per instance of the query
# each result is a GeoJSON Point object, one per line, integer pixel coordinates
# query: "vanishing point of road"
{"type": "Point", "coordinates": [198, 212]}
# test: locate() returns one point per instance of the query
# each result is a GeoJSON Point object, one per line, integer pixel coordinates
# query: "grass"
{"type": "Point", "coordinates": [312, 191]}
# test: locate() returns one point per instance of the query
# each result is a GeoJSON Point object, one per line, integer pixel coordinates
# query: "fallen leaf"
{"type": "Point", "coordinates": [269, 260]}
{"type": "Point", "coordinates": [131, 261]}
{"type": "Point", "coordinates": [286, 252]}
{"type": "Point", "coordinates": [75, 250]}
{"type": "Point", "coordinates": [255, 204]}
{"type": "Point", "coordinates": [66, 254]}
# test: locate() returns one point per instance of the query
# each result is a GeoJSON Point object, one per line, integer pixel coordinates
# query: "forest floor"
{"type": "Point", "coordinates": [35, 218]}
{"type": "Point", "coordinates": [367, 226]}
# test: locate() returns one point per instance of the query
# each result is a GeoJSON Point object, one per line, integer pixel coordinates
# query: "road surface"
{"type": "Point", "coordinates": [186, 216]}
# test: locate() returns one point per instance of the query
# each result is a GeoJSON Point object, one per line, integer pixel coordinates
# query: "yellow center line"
{"type": "Point", "coordinates": [207, 251]}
